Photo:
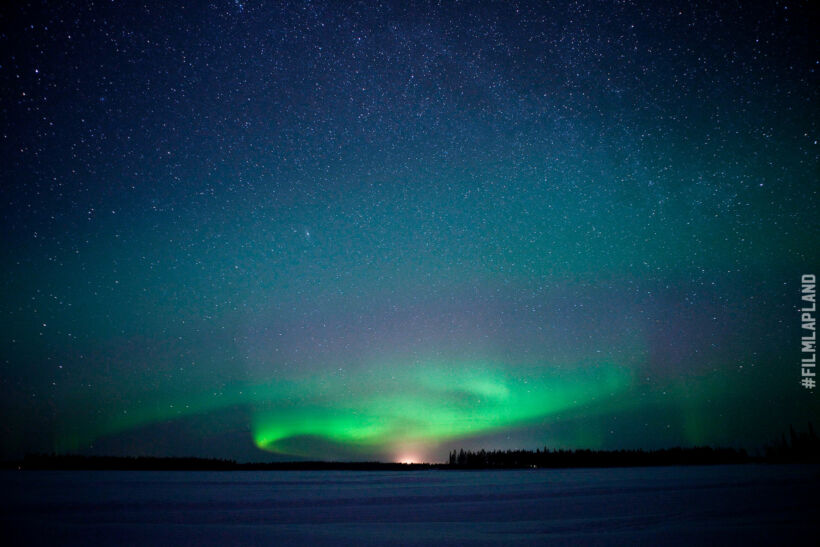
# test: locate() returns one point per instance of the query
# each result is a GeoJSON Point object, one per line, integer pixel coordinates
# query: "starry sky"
{"type": "Point", "coordinates": [385, 230]}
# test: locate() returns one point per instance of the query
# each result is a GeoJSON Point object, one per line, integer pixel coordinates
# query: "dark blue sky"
{"type": "Point", "coordinates": [392, 229]}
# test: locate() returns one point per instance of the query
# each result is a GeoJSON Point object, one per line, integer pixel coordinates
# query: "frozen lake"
{"type": "Point", "coordinates": [669, 505]}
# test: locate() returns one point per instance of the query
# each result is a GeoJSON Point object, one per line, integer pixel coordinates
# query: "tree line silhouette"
{"type": "Point", "coordinates": [143, 463]}
{"type": "Point", "coordinates": [802, 447]}
{"type": "Point", "coordinates": [517, 459]}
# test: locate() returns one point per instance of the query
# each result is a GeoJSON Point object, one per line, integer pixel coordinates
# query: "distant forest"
{"type": "Point", "coordinates": [803, 447]}
{"type": "Point", "coordinates": [513, 459]}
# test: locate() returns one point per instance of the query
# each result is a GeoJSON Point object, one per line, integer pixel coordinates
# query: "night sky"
{"type": "Point", "coordinates": [386, 230]}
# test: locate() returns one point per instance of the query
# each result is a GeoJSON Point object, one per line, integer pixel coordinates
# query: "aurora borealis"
{"type": "Point", "coordinates": [387, 230]}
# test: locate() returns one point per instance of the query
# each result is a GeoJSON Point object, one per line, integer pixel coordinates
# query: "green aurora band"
{"type": "Point", "coordinates": [417, 405]}
{"type": "Point", "coordinates": [390, 410]}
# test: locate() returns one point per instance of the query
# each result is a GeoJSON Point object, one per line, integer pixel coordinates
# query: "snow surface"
{"type": "Point", "coordinates": [727, 505]}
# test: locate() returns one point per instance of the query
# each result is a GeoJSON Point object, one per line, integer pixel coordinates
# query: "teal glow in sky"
{"type": "Point", "coordinates": [330, 232]}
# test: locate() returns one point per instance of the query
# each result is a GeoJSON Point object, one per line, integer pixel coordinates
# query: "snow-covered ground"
{"type": "Point", "coordinates": [752, 504]}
